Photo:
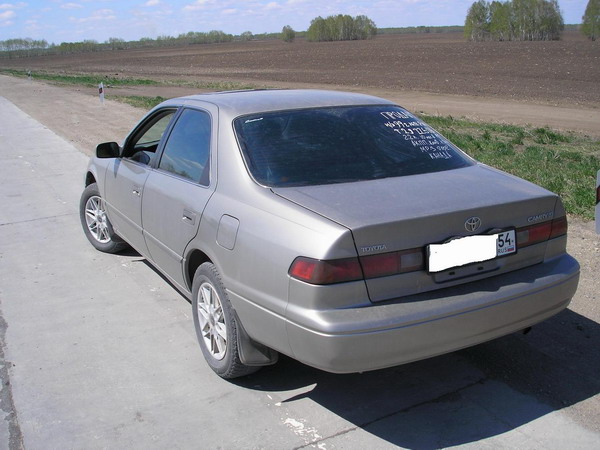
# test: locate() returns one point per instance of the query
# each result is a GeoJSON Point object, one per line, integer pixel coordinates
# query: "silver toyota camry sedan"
{"type": "Point", "coordinates": [336, 228]}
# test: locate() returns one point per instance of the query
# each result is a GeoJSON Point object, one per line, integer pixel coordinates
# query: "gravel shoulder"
{"type": "Point", "coordinates": [73, 113]}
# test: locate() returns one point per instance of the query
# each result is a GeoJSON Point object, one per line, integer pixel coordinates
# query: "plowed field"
{"type": "Point", "coordinates": [565, 72]}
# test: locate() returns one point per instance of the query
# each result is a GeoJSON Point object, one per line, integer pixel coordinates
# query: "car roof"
{"type": "Point", "coordinates": [237, 103]}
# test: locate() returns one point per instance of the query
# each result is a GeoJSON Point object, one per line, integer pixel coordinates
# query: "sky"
{"type": "Point", "coordinates": [77, 20]}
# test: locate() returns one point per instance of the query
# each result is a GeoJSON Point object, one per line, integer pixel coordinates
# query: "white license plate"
{"type": "Point", "coordinates": [471, 249]}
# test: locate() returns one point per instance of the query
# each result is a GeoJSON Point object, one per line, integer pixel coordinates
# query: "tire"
{"type": "Point", "coordinates": [95, 222]}
{"type": "Point", "coordinates": [216, 324]}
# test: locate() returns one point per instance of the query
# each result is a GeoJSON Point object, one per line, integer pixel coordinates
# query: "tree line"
{"type": "Point", "coordinates": [332, 28]}
{"type": "Point", "coordinates": [29, 47]}
{"type": "Point", "coordinates": [26, 44]}
{"type": "Point", "coordinates": [516, 20]}
{"type": "Point", "coordinates": [341, 28]}
{"type": "Point", "coordinates": [591, 20]}
{"type": "Point", "coordinates": [421, 29]}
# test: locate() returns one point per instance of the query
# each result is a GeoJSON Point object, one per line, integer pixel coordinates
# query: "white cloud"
{"type": "Point", "coordinates": [197, 5]}
{"type": "Point", "coordinates": [32, 25]}
{"type": "Point", "coordinates": [152, 3]}
{"type": "Point", "coordinates": [12, 5]}
{"type": "Point", "coordinates": [99, 15]}
{"type": "Point", "coordinates": [71, 6]}
{"type": "Point", "coordinates": [7, 15]}
{"type": "Point", "coordinates": [230, 11]}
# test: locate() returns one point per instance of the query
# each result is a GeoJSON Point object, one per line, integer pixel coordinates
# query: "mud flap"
{"type": "Point", "coordinates": [253, 353]}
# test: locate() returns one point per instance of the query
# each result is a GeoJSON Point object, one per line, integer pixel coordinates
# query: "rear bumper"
{"type": "Point", "coordinates": [426, 325]}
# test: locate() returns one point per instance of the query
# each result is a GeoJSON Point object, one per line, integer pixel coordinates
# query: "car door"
{"type": "Point", "coordinates": [176, 192]}
{"type": "Point", "coordinates": [126, 176]}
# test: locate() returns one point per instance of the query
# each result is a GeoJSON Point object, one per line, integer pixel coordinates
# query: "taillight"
{"type": "Point", "coordinates": [597, 195]}
{"type": "Point", "coordinates": [541, 232]}
{"type": "Point", "coordinates": [392, 263]}
{"type": "Point", "coordinates": [533, 234]}
{"type": "Point", "coordinates": [559, 227]}
{"type": "Point", "coordinates": [315, 271]}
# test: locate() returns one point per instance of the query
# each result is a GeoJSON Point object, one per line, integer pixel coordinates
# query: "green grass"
{"type": "Point", "coordinates": [223, 85]}
{"type": "Point", "coordinates": [139, 101]}
{"type": "Point", "coordinates": [82, 80]}
{"type": "Point", "coordinates": [564, 163]}
{"type": "Point", "coordinates": [92, 80]}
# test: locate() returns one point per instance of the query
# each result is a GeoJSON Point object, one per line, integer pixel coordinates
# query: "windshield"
{"type": "Point", "coordinates": [341, 144]}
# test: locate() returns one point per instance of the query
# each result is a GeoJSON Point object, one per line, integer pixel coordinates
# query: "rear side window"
{"type": "Point", "coordinates": [187, 151]}
{"type": "Point", "coordinates": [342, 144]}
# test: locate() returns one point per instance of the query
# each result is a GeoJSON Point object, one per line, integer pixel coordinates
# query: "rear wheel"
{"type": "Point", "coordinates": [95, 222]}
{"type": "Point", "coordinates": [216, 324]}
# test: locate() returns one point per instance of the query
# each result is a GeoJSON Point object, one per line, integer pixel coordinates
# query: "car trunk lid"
{"type": "Point", "coordinates": [411, 212]}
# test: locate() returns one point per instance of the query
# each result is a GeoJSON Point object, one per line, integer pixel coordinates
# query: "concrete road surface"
{"type": "Point", "coordinates": [99, 351]}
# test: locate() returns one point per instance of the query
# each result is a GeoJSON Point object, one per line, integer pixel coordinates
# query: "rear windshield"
{"type": "Point", "coordinates": [341, 144]}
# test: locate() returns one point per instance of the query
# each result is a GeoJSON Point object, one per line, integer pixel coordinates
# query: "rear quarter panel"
{"type": "Point", "coordinates": [272, 232]}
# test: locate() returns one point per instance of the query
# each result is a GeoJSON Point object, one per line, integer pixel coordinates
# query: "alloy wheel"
{"type": "Point", "coordinates": [96, 219]}
{"type": "Point", "coordinates": [212, 321]}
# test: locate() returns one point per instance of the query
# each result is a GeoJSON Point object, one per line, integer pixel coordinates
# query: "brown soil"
{"type": "Point", "coordinates": [556, 72]}
{"type": "Point", "coordinates": [539, 83]}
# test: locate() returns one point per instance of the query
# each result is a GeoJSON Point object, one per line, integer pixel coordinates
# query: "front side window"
{"type": "Point", "coordinates": [341, 144]}
{"type": "Point", "coordinates": [187, 150]}
{"type": "Point", "coordinates": [144, 143]}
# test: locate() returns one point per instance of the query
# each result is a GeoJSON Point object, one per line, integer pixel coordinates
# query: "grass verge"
{"type": "Point", "coordinates": [92, 80]}
{"type": "Point", "coordinates": [88, 80]}
{"type": "Point", "coordinates": [139, 101]}
{"type": "Point", "coordinates": [564, 163]}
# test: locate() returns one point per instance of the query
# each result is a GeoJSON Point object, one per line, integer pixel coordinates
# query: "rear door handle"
{"type": "Point", "coordinates": [137, 190]}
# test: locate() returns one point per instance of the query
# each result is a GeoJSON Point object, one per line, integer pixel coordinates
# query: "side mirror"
{"type": "Point", "coordinates": [108, 150]}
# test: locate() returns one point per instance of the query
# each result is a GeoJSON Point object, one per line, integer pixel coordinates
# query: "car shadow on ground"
{"type": "Point", "coordinates": [131, 253]}
{"type": "Point", "coordinates": [454, 399]}
{"type": "Point", "coordinates": [459, 398]}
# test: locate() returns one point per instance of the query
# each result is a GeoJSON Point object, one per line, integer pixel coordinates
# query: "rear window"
{"type": "Point", "coordinates": [341, 144]}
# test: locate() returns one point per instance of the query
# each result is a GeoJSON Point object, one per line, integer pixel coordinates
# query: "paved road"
{"type": "Point", "coordinates": [98, 351]}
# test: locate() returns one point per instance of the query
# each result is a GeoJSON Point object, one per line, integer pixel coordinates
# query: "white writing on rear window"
{"type": "Point", "coordinates": [421, 136]}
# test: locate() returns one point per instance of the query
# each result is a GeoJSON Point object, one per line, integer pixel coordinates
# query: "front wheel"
{"type": "Point", "coordinates": [216, 324]}
{"type": "Point", "coordinates": [95, 222]}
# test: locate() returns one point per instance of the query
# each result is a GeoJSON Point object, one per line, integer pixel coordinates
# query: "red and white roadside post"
{"type": "Point", "coordinates": [101, 92]}
{"type": "Point", "coordinates": [598, 202]}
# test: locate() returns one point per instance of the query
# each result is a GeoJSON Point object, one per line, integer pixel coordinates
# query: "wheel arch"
{"type": "Point", "coordinates": [195, 259]}
{"type": "Point", "coordinates": [252, 354]}
{"type": "Point", "coordinates": [89, 178]}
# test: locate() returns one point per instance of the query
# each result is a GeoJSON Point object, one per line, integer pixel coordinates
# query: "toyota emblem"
{"type": "Point", "coordinates": [472, 224]}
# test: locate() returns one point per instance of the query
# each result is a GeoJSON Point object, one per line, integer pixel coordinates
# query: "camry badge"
{"type": "Point", "coordinates": [544, 216]}
{"type": "Point", "coordinates": [472, 224]}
